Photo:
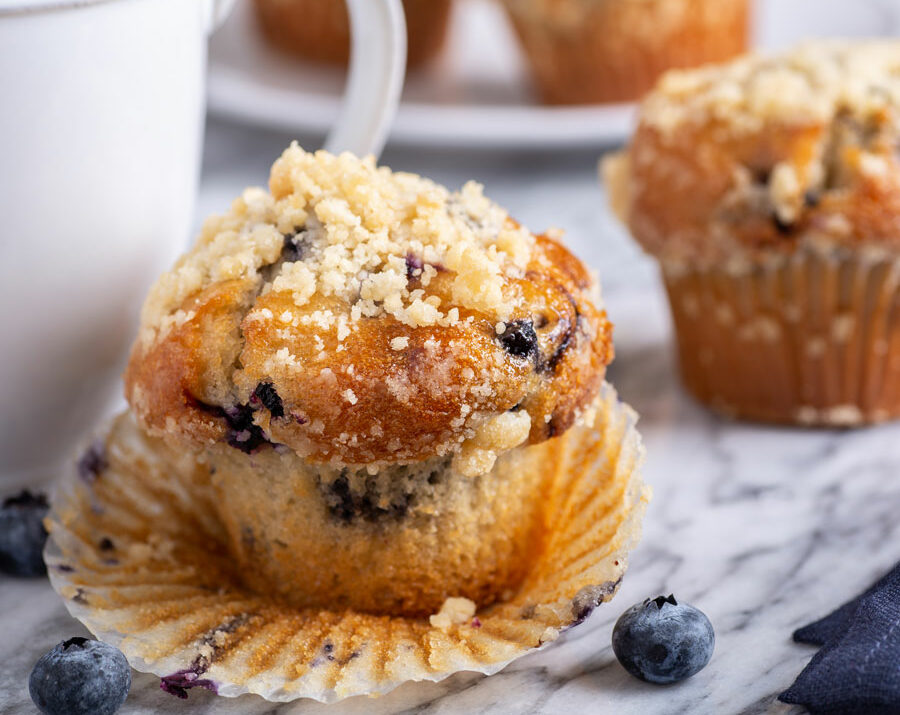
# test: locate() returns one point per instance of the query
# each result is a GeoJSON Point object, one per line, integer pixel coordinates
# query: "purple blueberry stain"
{"type": "Point", "coordinates": [294, 248]}
{"type": "Point", "coordinates": [414, 266]}
{"type": "Point", "coordinates": [180, 682]}
{"type": "Point", "coordinates": [589, 598]}
{"type": "Point", "coordinates": [242, 433]}
{"type": "Point", "coordinates": [93, 462]}
{"type": "Point", "coordinates": [266, 395]}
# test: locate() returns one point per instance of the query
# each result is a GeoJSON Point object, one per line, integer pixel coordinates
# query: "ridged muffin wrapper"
{"type": "Point", "coordinates": [811, 337]}
{"type": "Point", "coordinates": [615, 51]}
{"type": "Point", "coordinates": [140, 557]}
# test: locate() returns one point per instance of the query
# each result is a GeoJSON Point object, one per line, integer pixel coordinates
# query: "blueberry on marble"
{"type": "Point", "coordinates": [80, 677]}
{"type": "Point", "coordinates": [22, 534]}
{"type": "Point", "coordinates": [662, 641]}
{"type": "Point", "coordinates": [519, 339]}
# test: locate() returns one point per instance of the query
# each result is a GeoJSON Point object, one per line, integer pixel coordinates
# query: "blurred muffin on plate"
{"type": "Point", "coordinates": [593, 51]}
{"type": "Point", "coordinates": [319, 30]}
{"type": "Point", "coordinates": [769, 190]}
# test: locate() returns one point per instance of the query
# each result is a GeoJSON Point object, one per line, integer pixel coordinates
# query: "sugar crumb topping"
{"type": "Point", "coordinates": [362, 231]}
{"type": "Point", "coordinates": [454, 612]}
{"type": "Point", "coordinates": [807, 84]}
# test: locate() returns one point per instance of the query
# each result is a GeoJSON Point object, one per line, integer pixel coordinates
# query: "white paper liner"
{"type": "Point", "coordinates": [139, 556]}
{"type": "Point", "coordinates": [810, 338]}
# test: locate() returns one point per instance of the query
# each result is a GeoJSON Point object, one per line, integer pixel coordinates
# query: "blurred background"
{"type": "Point", "coordinates": [471, 110]}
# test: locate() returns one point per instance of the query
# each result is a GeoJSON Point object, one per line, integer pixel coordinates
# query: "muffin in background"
{"type": "Point", "coordinates": [769, 190]}
{"type": "Point", "coordinates": [319, 30]}
{"type": "Point", "coordinates": [592, 51]}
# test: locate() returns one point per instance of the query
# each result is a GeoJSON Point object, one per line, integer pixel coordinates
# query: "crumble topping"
{"type": "Point", "coordinates": [736, 161]}
{"type": "Point", "coordinates": [454, 612]}
{"type": "Point", "coordinates": [806, 85]}
{"type": "Point", "coordinates": [361, 231]}
{"type": "Point", "coordinates": [360, 317]}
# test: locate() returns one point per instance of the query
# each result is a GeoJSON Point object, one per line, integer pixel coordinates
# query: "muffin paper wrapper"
{"type": "Point", "coordinates": [138, 553]}
{"type": "Point", "coordinates": [615, 52]}
{"type": "Point", "coordinates": [809, 338]}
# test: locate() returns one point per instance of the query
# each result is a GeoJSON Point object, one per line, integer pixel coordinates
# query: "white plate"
{"type": "Point", "coordinates": [477, 94]}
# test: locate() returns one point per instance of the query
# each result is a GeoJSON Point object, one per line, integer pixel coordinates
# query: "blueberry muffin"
{"type": "Point", "coordinates": [590, 51]}
{"type": "Point", "coordinates": [363, 358]}
{"type": "Point", "coordinates": [769, 190]}
{"type": "Point", "coordinates": [319, 30]}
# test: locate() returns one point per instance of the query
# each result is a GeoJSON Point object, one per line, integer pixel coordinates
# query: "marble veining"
{"type": "Point", "coordinates": [764, 529]}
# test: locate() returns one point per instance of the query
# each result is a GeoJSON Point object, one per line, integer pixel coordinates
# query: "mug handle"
{"type": "Point", "coordinates": [377, 70]}
{"type": "Point", "coordinates": [217, 11]}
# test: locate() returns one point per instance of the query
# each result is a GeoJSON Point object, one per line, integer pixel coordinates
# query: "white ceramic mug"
{"type": "Point", "coordinates": [101, 119]}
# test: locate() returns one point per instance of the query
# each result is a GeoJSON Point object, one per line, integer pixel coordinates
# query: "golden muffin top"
{"type": "Point", "coordinates": [766, 152]}
{"type": "Point", "coordinates": [360, 316]}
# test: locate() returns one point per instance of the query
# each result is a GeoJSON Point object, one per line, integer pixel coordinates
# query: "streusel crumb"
{"type": "Point", "coordinates": [359, 316]}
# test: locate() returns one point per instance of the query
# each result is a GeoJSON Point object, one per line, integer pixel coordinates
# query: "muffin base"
{"type": "Point", "coordinates": [319, 30]}
{"type": "Point", "coordinates": [323, 537]}
{"type": "Point", "coordinates": [615, 51]}
{"type": "Point", "coordinates": [812, 338]}
{"type": "Point", "coordinates": [139, 556]}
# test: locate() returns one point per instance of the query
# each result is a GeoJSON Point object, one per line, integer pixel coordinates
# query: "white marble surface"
{"type": "Point", "coordinates": [764, 529]}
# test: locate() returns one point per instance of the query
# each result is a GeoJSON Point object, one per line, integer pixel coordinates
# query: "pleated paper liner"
{"type": "Point", "coordinates": [810, 338]}
{"type": "Point", "coordinates": [615, 52]}
{"type": "Point", "coordinates": [140, 557]}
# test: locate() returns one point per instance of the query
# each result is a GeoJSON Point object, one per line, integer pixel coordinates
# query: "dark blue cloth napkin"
{"type": "Point", "coordinates": [857, 671]}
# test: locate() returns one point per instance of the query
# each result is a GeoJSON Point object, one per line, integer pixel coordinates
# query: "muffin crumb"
{"type": "Point", "coordinates": [454, 612]}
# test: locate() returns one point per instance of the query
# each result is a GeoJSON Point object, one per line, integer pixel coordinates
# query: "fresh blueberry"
{"type": "Point", "coordinates": [663, 641]}
{"type": "Point", "coordinates": [22, 534]}
{"type": "Point", "coordinates": [80, 677]}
